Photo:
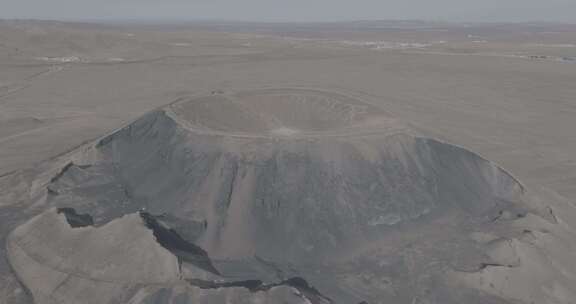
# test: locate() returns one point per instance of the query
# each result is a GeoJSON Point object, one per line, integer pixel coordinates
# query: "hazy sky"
{"type": "Point", "coordinates": [294, 10]}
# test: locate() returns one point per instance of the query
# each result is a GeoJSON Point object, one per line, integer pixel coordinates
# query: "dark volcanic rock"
{"type": "Point", "coordinates": [76, 220]}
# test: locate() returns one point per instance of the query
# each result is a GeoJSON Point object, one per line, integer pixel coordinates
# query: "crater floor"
{"type": "Point", "coordinates": [280, 113]}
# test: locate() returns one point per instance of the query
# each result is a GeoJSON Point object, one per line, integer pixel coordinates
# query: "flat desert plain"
{"type": "Point", "coordinates": [232, 125]}
{"type": "Point", "coordinates": [505, 91]}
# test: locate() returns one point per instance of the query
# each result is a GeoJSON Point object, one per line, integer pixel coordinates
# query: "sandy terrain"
{"type": "Point", "coordinates": [503, 91]}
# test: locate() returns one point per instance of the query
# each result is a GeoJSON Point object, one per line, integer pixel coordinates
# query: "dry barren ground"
{"type": "Point", "coordinates": [62, 84]}
{"type": "Point", "coordinates": [504, 91]}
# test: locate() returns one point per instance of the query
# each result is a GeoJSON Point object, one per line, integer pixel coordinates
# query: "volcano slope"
{"type": "Point", "coordinates": [288, 196]}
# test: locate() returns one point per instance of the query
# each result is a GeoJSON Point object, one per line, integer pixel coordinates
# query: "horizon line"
{"type": "Point", "coordinates": [175, 21]}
